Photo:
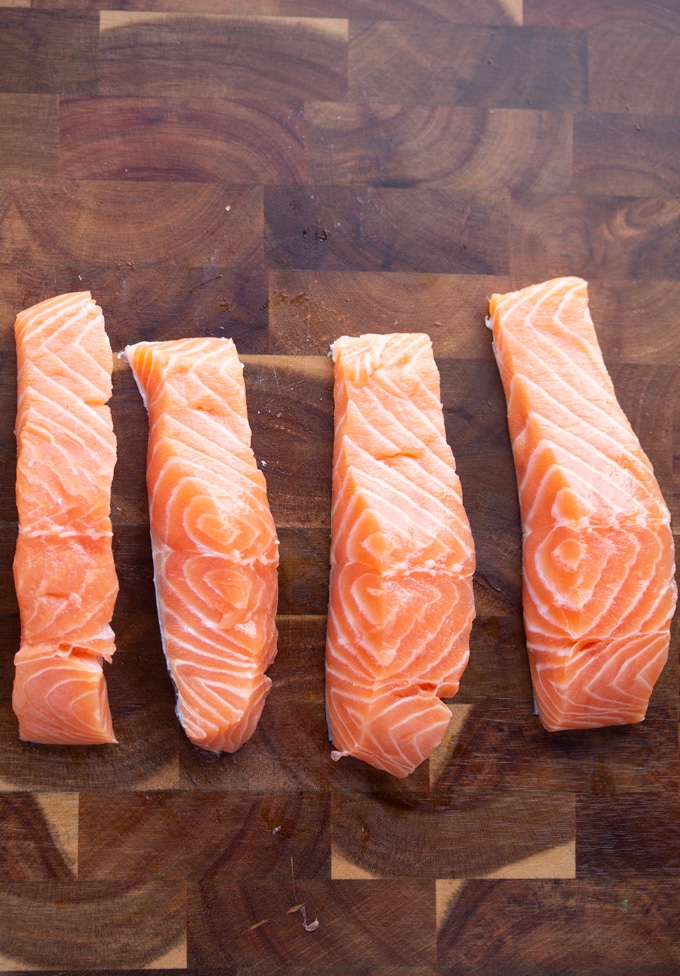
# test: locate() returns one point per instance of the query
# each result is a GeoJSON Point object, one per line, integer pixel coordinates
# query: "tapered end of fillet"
{"type": "Point", "coordinates": [396, 733]}
{"type": "Point", "coordinates": [60, 697]}
{"type": "Point", "coordinates": [222, 719]}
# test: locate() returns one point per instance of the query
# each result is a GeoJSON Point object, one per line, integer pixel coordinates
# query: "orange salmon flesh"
{"type": "Point", "coordinates": [63, 566]}
{"type": "Point", "coordinates": [215, 547]}
{"type": "Point", "coordinates": [402, 557]}
{"type": "Point", "coordinates": [598, 558]}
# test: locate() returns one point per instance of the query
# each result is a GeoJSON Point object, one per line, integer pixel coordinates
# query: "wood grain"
{"type": "Point", "coordinates": [42, 223]}
{"type": "Point", "coordinates": [653, 14]}
{"type": "Point", "coordinates": [206, 140]}
{"type": "Point", "coordinates": [45, 51]}
{"type": "Point", "coordinates": [501, 67]}
{"type": "Point", "coordinates": [30, 851]}
{"type": "Point", "coordinates": [309, 309]}
{"type": "Point", "coordinates": [633, 71]}
{"type": "Point", "coordinates": [30, 135]}
{"type": "Point", "coordinates": [502, 746]}
{"type": "Point", "coordinates": [284, 172]}
{"type": "Point", "coordinates": [195, 836]}
{"type": "Point", "coordinates": [383, 229]}
{"type": "Point", "coordinates": [630, 850]}
{"type": "Point", "coordinates": [639, 155]}
{"type": "Point", "coordinates": [252, 923]}
{"type": "Point", "coordinates": [460, 147]}
{"type": "Point", "coordinates": [88, 921]}
{"type": "Point", "coordinates": [622, 927]}
{"type": "Point", "coordinates": [218, 300]}
{"type": "Point", "coordinates": [278, 58]}
{"type": "Point", "coordinates": [435, 837]}
{"type": "Point", "coordinates": [596, 236]}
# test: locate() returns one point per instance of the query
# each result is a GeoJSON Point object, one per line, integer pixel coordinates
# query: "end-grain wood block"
{"type": "Point", "coordinates": [178, 55]}
{"type": "Point", "coordinates": [29, 135]}
{"type": "Point", "coordinates": [71, 925]}
{"type": "Point", "coordinates": [40, 836]}
{"type": "Point", "coordinates": [479, 439]}
{"type": "Point", "coordinates": [84, 223]}
{"type": "Point", "coordinates": [633, 70]}
{"type": "Point", "coordinates": [499, 67]}
{"type": "Point", "coordinates": [645, 393]}
{"type": "Point", "coordinates": [309, 310]}
{"type": "Point", "coordinates": [458, 147]}
{"type": "Point", "coordinates": [138, 675]}
{"type": "Point", "coordinates": [33, 285]}
{"type": "Point", "coordinates": [655, 14]}
{"type": "Point", "coordinates": [290, 750]}
{"type": "Point", "coordinates": [290, 409]}
{"type": "Point", "coordinates": [145, 302]}
{"type": "Point", "coordinates": [498, 669]}
{"type": "Point", "coordinates": [145, 758]}
{"type": "Point", "coordinates": [262, 8]}
{"type": "Point", "coordinates": [297, 672]}
{"type": "Point", "coordinates": [8, 457]}
{"type": "Point", "coordinates": [382, 923]}
{"type": "Point", "coordinates": [48, 51]}
{"type": "Point", "coordinates": [637, 837]}
{"type": "Point", "coordinates": [463, 11]}
{"type": "Point", "coordinates": [304, 563]}
{"type": "Point", "coordinates": [136, 838]}
{"type": "Point", "coordinates": [502, 746]}
{"type": "Point", "coordinates": [623, 926]}
{"type": "Point", "coordinates": [129, 499]}
{"type": "Point", "coordinates": [461, 835]}
{"type": "Point", "coordinates": [622, 312]}
{"type": "Point", "coordinates": [202, 139]}
{"type": "Point", "coordinates": [640, 156]}
{"type": "Point", "coordinates": [8, 309]}
{"type": "Point", "coordinates": [385, 229]}
{"type": "Point", "coordinates": [8, 601]}
{"type": "Point", "coordinates": [596, 237]}
{"type": "Point", "coordinates": [10, 629]}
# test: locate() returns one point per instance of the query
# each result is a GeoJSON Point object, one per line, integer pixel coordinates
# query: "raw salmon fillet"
{"type": "Point", "coordinates": [63, 566]}
{"type": "Point", "coordinates": [598, 559]}
{"type": "Point", "coordinates": [214, 542]}
{"type": "Point", "coordinates": [402, 557]}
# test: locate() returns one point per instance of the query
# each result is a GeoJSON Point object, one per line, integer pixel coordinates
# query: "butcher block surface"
{"type": "Point", "coordinates": [284, 172]}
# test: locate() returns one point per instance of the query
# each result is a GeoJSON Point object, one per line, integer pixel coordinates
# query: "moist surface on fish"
{"type": "Point", "coordinates": [598, 557]}
{"type": "Point", "coordinates": [215, 547]}
{"type": "Point", "coordinates": [64, 572]}
{"type": "Point", "coordinates": [402, 557]}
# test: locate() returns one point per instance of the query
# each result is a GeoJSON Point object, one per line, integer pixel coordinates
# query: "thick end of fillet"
{"type": "Point", "coordinates": [60, 695]}
{"type": "Point", "coordinates": [598, 682]}
{"type": "Point", "coordinates": [396, 645]}
{"type": "Point", "coordinates": [597, 609]}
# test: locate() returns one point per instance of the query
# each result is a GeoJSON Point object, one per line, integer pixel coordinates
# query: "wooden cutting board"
{"type": "Point", "coordinates": [283, 172]}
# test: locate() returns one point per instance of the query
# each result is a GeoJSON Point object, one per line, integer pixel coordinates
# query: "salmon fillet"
{"type": "Point", "coordinates": [598, 557]}
{"type": "Point", "coordinates": [214, 542]}
{"type": "Point", "coordinates": [402, 557]}
{"type": "Point", "coordinates": [64, 572]}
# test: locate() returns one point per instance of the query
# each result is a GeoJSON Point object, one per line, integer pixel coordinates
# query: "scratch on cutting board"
{"type": "Point", "coordinates": [302, 908]}
{"type": "Point", "coordinates": [258, 924]}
